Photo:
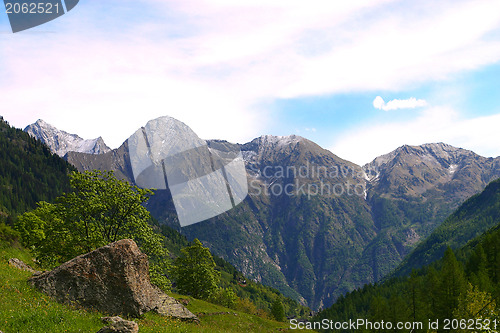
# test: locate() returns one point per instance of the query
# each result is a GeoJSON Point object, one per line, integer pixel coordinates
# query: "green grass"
{"type": "Point", "coordinates": [23, 309]}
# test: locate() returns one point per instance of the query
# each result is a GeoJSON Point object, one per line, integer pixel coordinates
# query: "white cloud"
{"type": "Point", "coordinates": [435, 124]}
{"type": "Point", "coordinates": [216, 64]}
{"type": "Point", "coordinates": [378, 103]}
{"type": "Point", "coordinates": [395, 104]}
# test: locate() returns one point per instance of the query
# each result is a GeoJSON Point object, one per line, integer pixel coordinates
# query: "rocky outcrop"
{"type": "Point", "coordinates": [19, 264]}
{"type": "Point", "coordinates": [169, 306]}
{"type": "Point", "coordinates": [113, 279]}
{"type": "Point", "coordinates": [118, 325]}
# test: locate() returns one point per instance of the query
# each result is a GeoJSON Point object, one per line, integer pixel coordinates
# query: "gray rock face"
{"type": "Point", "coordinates": [415, 171]}
{"type": "Point", "coordinates": [113, 279]}
{"type": "Point", "coordinates": [170, 307]}
{"type": "Point", "coordinates": [61, 142]}
{"type": "Point", "coordinates": [118, 325]}
{"type": "Point", "coordinates": [117, 160]}
{"type": "Point", "coordinates": [19, 264]}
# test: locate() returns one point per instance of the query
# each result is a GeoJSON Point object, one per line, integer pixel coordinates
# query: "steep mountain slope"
{"type": "Point", "coordinates": [117, 160]}
{"type": "Point", "coordinates": [29, 172]}
{"type": "Point", "coordinates": [441, 289]}
{"type": "Point", "coordinates": [303, 225]}
{"type": "Point", "coordinates": [316, 226]}
{"type": "Point", "coordinates": [61, 142]}
{"type": "Point", "coordinates": [431, 170]}
{"type": "Point", "coordinates": [302, 219]}
{"type": "Point", "coordinates": [332, 242]}
{"type": "Point", "coordinates": [476, 215]}
{"type": "Point", "coordinates": [412, 190]}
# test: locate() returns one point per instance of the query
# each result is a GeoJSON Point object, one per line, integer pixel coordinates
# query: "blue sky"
{"type": "Point", "coordinates": [237, 71]}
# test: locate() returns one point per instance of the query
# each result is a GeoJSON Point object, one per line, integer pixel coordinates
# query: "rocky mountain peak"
{"type": "Point", "coordinates": [430, 154]}
{"type": "Point", "coordinates": [266, 145]}
{"type": "Point", "coordinates": [170, 136]}
{"type": "Point", "coordinates": [413, 170]}
{"type": "Point", "coordinates": [61, 142]}
{"type": "Point", "coordinates": [278, 141]}
{"type": "Point", "coordinates": [42, 123]}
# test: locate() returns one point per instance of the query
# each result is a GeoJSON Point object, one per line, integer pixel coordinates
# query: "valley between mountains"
{"type": "Point", "coordinates": [313, 225]}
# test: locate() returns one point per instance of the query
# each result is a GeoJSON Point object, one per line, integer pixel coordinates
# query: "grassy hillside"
{"type": "Point", "coordinates": [23, 309]}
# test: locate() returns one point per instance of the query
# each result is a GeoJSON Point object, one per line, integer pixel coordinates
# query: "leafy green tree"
{"type": "Point", "coordinates": [477, 304]}
{"type": "Point", "coordinates": [100, 209]}
{"type": "Point", "coordinates": [194, 271]}
{"type": "Point", "coordinates": [7, 234]}
{"type": "Point", "coordinates": [225, 297]}
{"type": "Point", "coordinates": [104, 209]}
{"type": "Point", "coordinates": [50, 238]}
{"type": "Point", "coordinates": [277, 310]}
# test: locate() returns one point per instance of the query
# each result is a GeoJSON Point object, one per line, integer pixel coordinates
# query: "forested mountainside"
{"type": "Point", "coordinates": [476, 215]}
{"type": "Point", "coordinates": [29, 172]}
{"type": "Point", "coordinates": [463, 284]}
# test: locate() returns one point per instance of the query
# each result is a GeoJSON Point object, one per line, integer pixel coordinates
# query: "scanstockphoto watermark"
{"type": "Point", "coordinates": [308, 180]}
{"type": "Point", "coordinates": [358, 324]}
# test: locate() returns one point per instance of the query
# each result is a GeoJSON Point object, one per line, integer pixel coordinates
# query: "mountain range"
{"type": "Point", "coordinates": [314, 225]}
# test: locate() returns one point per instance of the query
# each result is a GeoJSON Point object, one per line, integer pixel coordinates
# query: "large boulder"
{"type": "Point", "coordinates": [113, 279]}
{"type": "Point", "coordinates": [118, 325]}
{"type": "Point", "coordinates": [19, 264]}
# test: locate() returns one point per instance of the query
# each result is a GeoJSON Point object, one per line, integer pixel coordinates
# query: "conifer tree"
{"type": "Point", "coordinates": [277, 310]}
{"type": "Point", "coordinates": [452, 285]}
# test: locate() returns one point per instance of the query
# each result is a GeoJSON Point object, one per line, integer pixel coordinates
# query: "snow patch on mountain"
{"type": "Point", "coordinates": [279, 141]}
{"type": "Point", "coordinates": [452, 168]}
{"type": "Point", "coordinates": [248, 155]}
